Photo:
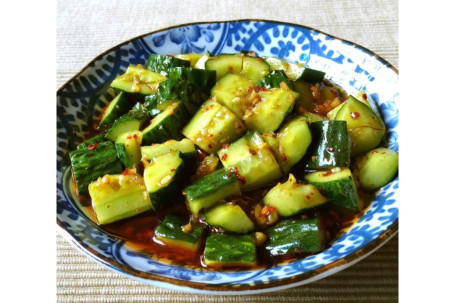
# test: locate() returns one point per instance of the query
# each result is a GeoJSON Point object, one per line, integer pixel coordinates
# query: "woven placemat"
{"type": "Point", "coordinates": [374, 279]}
{"type": "Point", "coordinates": [88, 28]}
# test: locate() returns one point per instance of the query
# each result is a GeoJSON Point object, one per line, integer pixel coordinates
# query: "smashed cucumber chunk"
{"type": "Point", "coordinates": [210, 189]}
{"type": "Point", "coordinates": [178, 233]}
{"type": "Point", "coordinates": [291, 198]}
{"type": "Point", "coordinates": [117, 197]}
{"type": "Point", "coordinates": [291, 237]}
{"type": "Point", "coordinates": [230, 217]}
{"type": "Point", "coordinates": [376, 167]}
{"type": "Point", "coordinates": [222, 250]}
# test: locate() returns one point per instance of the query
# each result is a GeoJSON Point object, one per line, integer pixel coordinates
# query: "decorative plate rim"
{"type": "Point", "coordinates": [201, 288]}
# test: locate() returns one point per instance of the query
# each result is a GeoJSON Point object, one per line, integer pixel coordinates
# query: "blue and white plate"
{"type": "Point", "coordinates": [347, 64]}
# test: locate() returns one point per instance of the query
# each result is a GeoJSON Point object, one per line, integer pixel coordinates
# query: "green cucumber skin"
{"type": "Point", "coordinates": [169, 128]}
{"type": "Point", "coordinates": [162, 63]}
{"type": "Point", "coordinates": [205, 79]}
{"type": "Point", "coordinates": [188, 157]}
{"type": "Point", "coordinates": [342, 194]}
{"type": "Point", "coordinates": [122, 155]}
{"type": "Point", "coordinates": [90, 164]}
{"type": "Point", "coordinates": [226, 250]}
{"type": "Point", "coordinates": [132, 115]}
{"type": "Point", "coordinates": [94, 140]}
{"type": "Point", "coordinates": [171, 228]}
{"type": "Point", "coordinates": [229, 217]}
{"type": "Point", "coordinates": [225, 63]}
{"type": "Point", "coordinates": [121, 105]}
{"type": "Point", "coordinates": [169, 194]}
{"type": "Point", "coordinates": [210, 183]}
{"type": "Point", "coordinates": [274, 79]}
{"type": "Point", "coordinates": [174, 89]}
{"type": "Point", "coordinates": [330, 145]}
{"type": "Point", "coordinates": [312, 75]}
{"type": "Point", "coordinates": [295, 236]}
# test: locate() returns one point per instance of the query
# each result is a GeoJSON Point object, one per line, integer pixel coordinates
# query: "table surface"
{"type": "Point", "coordinates": [88, 28]}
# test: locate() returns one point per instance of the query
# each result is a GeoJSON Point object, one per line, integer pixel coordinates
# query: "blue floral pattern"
{"type": "Point", "coordinates": [348, 65]}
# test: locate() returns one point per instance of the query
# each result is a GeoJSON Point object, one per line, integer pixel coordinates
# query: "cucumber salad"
{"type": "Point", "coordinates": [231, 160]}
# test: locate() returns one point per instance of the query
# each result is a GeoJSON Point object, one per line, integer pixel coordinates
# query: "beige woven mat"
{"type": "Point", "coordinates": [87, 28]}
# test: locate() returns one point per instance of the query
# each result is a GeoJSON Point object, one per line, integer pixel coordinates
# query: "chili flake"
{"type": "Point", "coordinates": [92, 146]}
{"type": "Point", "coordinates": [240, 177]}
{"type": "Point", "coordinates": [267, 211]}
{"type": "Point", "coordinates": [355, 115]}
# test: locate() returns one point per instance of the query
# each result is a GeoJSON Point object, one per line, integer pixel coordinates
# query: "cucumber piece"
{"type": "Point", "coordinates": [138, 80]}
{"type": "Point", "coordinates": [151, 104]}
{"type": "Point", "coordinates": [117, 197]}
{"type": "Point", "coordinates": [376, 168]}
{"type": "Point", "coordinates": [131, 121]}
{"type": "Point", "coordinates": [174, 90]}
{"type": "Point", "coordinates": [333, 112]}
{"type": "Point", "coordinates": [365, 128]}
{"type": "Point", "coordinates": [171, 232]}
{"type": "Point", "coordinates": [291, 198]}
{"type": "Point", "coordinates": [92, 162]}
{"type": "Point", "coordinates": [295, 71]}
{"type": "Point", "coordinates": [233, 91]}
{"type": "Point", "coordinates": [338, 187]}
{"type": "Point", "coordinates": [128, 146]}
{"type": "Point", "coordinates": [362, 96]}
{"type": "Point", "coordinates": [224, 64]}
{"type": "Point", "coordinates": [204, 79]}
{"type": "Point", "coordinates": [208, 165]}
{"type": "Point", "coordinates": [254, 68]}
{"type": "Point", "coordinates": [223, 250]}
{"type": "Point", "coordinates": [166, 125]}
{"type": "Point", "coordinates": [274, 79]}
{"type": "Point", "coordinates": [293, 140]}
{"type": "Point", "coordinates": [163, 179]}
{"type": "Point", "coordinates": [251, 67]}
{"type": "Point", "coordinates": [162, 63]}
{"type": "Point", "coordinates": [311, 117]}
{"type": "Point", "coordinates": [193, 58]}
{"type": "Point", "coordinates": [92, 141]}
{"type": "Point", "coordinates": [212, 126]}
{"type": "Point", "coordinates": [119, 106]}
{"type": "Point", "coordinates": [229, 217]}
{"type": "Point", "coordinates": [305, 100]}
{"type": "Point", "coordinates": [186, 148]}
{"type": "Point", "coordinates": [252, 160]}
{"type": "Point", "coordinates": [291, 237]}
{"type": "Point", "coordinates": [330, 146]}
{"type": "Point", "coordinates": [268, 114]}
{"type": "Point", "coordinates": [200, 64]}
{"type": "Point", "coordinates": [210, 189]}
